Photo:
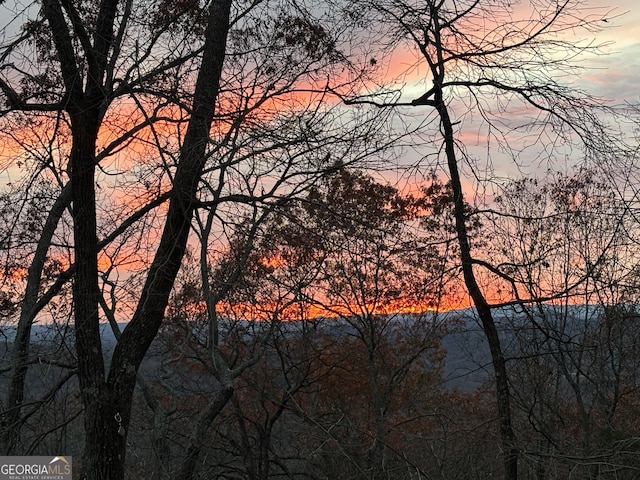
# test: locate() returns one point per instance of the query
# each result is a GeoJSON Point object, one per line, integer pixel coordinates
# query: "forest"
{"type": "Point", "coordinates": [295, 239]}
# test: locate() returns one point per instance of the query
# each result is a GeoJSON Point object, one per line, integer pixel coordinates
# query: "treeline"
{"type": "Point", "coordinates": [312, 401]}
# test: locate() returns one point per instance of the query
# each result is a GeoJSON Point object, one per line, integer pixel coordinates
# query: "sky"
{"type": "Point", "coordinates": [613, 75]}
{"type": "Point", "coordinates": [617, 75]}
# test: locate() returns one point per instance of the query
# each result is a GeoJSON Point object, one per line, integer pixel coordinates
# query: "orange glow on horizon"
{"type": "Point", "coordinates": [297, 311]}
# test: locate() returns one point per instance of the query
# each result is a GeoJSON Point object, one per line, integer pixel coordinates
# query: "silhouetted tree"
{"type": "Point", "coordinates": [487, 62]}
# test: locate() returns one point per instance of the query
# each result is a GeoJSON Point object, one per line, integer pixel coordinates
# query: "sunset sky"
{"type": "Point", "coordinates": [614, 76]}
{"type": "Point", "coordinates": [617, 75]}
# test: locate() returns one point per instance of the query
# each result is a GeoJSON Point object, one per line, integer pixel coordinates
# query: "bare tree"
{"type": "Point", "coordinates": [353, 249]}
{"type": "Point", "coordinates": [486, 63]}
{"type": "Point", "coordinates": [567, 243]}
{"type": "Point", "coordinates": [157, 99]}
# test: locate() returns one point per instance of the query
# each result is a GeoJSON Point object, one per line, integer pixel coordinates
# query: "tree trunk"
{"type": "Point", "coordinates": [141, 330]}
{"type": "Point", "coordinates": [103, 458]}
{"type": "Point", "coordinates": [28, 310]}
{"type": "Point", "coordinates": [484, 310]}
{"type": "Point", "coordinates": [95, 398]}
{"type": "Point", "coordinates": [107, 402]}
{"type": "Point", "coordinates": [377, 453]}
{"type": "Point", "coordinates": [188, 468]}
